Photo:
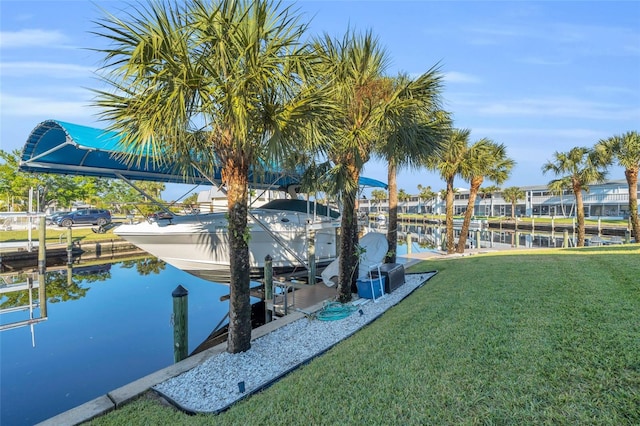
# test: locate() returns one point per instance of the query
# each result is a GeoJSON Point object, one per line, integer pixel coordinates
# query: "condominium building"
{"type": "Point", "coordinates": [606, 200]}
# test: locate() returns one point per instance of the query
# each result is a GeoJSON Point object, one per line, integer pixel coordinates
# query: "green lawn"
{"type": "Point", "coordinates": [538, 337]}
{"type": "Point", "coordinates": [56, 234]}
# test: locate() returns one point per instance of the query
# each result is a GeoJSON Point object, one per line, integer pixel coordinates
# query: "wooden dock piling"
{"type": "Point", "coordinates": [180, 323]}
{"type": "Point", "coordinates": [268, 287]}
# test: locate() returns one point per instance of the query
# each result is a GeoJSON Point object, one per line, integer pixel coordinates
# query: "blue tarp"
{"type": "Point", "coordinates": [71, 149]}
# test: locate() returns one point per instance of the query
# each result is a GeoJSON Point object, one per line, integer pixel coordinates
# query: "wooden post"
{"type": "Point", "coordinates": [69, 246]}
{"type": "Point", "coordinates": [42, 266]}
{"type": "Point", "coordinates": [42, 247]}
{"type": "Point", "coordinates": [180, 323]}
{"type": "Point", "coordinates": [478, 237]}
{"type": "Point", "coordinates": [268, 286]}
{"type": "Point", "coordinates": [408, 242]}
{"type": "Point", "coordinates": [311, 256]}
{"type": "Point", "coordinates": [42, 294]}
{"type": "Point", "coordinates": [565, 238]}
{"type": "Point", "coordinates": [517, 236]}
{"type": "Point", "coordinates": [627, 236]}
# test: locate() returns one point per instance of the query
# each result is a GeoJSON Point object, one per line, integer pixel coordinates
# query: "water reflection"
{"type": "Point", "coordinates": [433, 237]}
{"type": "Point", "coordinates": [429, 237]}
{"type": "Point", "coordinates": [107, 326]}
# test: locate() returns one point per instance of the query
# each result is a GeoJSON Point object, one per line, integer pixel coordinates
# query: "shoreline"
{"type": "Point", "coordinates": [153, 382]}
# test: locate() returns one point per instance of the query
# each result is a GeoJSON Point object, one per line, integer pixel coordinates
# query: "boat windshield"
{"type": "Point", "coordinates": [299, 206]}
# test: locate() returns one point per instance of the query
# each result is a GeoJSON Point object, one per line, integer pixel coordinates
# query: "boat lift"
{"type": "Point", "coordinates": [14, 283]}
{"type": "Point", "coordinates": [65, 148]}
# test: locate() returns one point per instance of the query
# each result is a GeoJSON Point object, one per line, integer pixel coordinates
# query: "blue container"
{"type": "Point", "coordinates": [370, 289]}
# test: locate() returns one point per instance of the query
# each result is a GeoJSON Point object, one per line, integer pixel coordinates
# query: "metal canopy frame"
{"type": "Point", "coordinates": [70, 149]}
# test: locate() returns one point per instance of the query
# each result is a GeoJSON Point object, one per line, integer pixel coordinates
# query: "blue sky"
{"type": "Point", "coordinates": [538, 77]}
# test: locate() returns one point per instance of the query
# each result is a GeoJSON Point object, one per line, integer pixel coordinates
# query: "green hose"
{"type": "Point", "coordinates": [332, 311]}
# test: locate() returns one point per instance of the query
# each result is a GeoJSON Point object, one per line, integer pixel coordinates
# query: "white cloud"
{"type": "Point", "coordinates": [48, 69]}
{"type": "Point", "coordinates": [564, 38]}
{"type": "Point", "coordinates": [559, 107]}
{"type": "Point", "coordinates": [460, 77]}
{"type": "Point", "coordinates": [32, 38]}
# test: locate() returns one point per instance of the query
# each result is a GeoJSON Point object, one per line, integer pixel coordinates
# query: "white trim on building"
{"type": "Point", "coordinates": [606, 200]}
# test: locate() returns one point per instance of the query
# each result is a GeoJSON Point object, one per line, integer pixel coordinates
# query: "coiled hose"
{"type": "Point", "coordinates": [332, 311]}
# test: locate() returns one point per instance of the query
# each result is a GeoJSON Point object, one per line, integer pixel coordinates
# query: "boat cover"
{"type": "Point", "coordinates": [375, 247]}
{"type": "Point", "coordinates": [71, 149]}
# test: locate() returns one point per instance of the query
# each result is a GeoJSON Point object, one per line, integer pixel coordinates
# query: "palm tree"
{"type": "Point", "coordinates": [448, 161]}
{"type": "Point", "coordinates": [217, 84]}
{"type": "Point", "coordinates": [378, 196]}
{"type": "Point", "coordinates": [511, 195]}
{"type": "Point", "coordinates": [426, 194]}
{"type": "Point", "coordinates": [626, 149]}
{"type": "Point", "coordinates": [488, 191]}
{"type": "Point", "coordinates": [403, 197]}
{"type": "Point", "coordinates": [484, 158]}
{"type": "Point", "coordinates": [412, 131]}
{"type": "Point", "coordinates": [581, 167]}
{"type": "Point", "coordinates": [365, 103]}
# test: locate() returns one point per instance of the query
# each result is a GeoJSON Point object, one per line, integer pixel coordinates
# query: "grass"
{"type": "Point", "coordinates": [55, 234]}
{"type": "Point", "coordinates": [539, 337]}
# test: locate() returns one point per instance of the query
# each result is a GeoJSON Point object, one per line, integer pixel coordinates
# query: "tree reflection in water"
{"type": "Point", "coordinates": [61, 287]}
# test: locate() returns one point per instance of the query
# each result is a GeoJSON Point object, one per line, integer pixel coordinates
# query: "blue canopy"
{"type": "Point", "coordinates": [71, 149]}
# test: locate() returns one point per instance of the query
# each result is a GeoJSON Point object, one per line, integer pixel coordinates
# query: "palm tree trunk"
{"type": "Point", "coordinates": [473, 192]}
{"type": "Point", "coordinates": [449, 217]}
{"type": "Point", "coordinates": [392, 229]}
{"type": "Point", "coordinates": [239, 339]}
{"type": "Point", "coordinates": [577, 190]}
{"type": "Point", "coordinates": [348, 264]}
{"type": "Point", "coordinates": [632, 181]}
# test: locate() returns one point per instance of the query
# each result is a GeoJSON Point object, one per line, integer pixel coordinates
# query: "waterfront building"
{"type": "Point", "coordinates": [608, 200]}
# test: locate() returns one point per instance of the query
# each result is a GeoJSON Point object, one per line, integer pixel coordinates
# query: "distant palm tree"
{"type": "Point", "coordinates": [426, 194]}
{"type": "Point", "coordinates": [626, 149]}
{"type": "Point", "coordinates": [448, 161]}
{"type": "Point", "coordinates": [218, 84]}
{"type": "Point", "coordinates": [581, 167]}
{"type": "Point", "coordinates": [484, 158]}
{"type": "Point", "coordinates": [403, 197]}
{"type": "Point", "coordinates": [511, 195]}
{"type": "Point", "coordinates": [378, 196]}
{"type": "Point", "coordinates": [487, 192]}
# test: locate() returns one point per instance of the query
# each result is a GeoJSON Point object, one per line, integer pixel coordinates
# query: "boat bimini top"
{"type": "Point", "coordinates": [72, 149]}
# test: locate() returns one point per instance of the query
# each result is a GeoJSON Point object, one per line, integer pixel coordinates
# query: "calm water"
{"type": "Point", "coordinates": [108, 328]}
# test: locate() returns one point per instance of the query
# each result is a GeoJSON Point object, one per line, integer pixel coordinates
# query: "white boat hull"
{"type": "Point", "coordinates": [201, 242]}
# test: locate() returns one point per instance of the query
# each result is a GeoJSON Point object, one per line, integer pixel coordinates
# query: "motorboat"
{"type": "Point", "coordinates": [194, 242]}
{"type": "Point", "coordinates": [199, 243]}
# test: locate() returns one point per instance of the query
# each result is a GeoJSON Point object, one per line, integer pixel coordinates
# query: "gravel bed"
{"type": "Point", "coordinates": [217, 383]}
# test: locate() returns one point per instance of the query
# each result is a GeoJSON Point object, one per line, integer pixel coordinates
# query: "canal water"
{"type": "Point", "coordinates": [108, 326]}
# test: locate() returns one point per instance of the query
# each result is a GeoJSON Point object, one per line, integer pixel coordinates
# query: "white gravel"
{"type": "Point", "coordinates": [215, 384]}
